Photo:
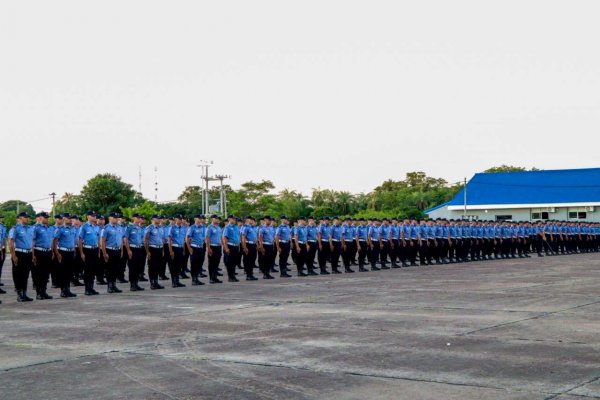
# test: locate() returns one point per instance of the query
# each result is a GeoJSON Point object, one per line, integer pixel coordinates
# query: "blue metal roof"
{"type": "Point", "coordinates": [532, 187]}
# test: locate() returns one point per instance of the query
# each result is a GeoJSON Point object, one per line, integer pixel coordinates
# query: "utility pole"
{"type": "Point", "coordinates": [223, 196]}
{"type": "Point", "coordinates": [465, 198]}
{"type": "Point", "coordinates": [140, 179]}
{"type": "Point", "coordinates": [53, 195]}
{"type": "Point", "coordinates": [155, 184]}
{"type": "Point", "coordinates": [204, 164]}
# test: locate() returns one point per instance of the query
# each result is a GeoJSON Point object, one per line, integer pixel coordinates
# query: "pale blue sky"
{"type": "Point", "coordinates": [340, 94]}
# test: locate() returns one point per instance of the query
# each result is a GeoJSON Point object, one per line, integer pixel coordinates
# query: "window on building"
{"type": "Point", "coordinates": [540, 215]}
{"type": "Point", "coordinates": [503, 217]}
{"type": "Point", "coordinates": [577, 215]}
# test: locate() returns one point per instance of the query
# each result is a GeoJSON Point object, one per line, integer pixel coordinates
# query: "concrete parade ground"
{"type": "Point", "coordinates": [510, 329]}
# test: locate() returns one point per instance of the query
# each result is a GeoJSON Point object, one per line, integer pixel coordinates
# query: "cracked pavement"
{"type": "Point", "coordinates": [518, 329]}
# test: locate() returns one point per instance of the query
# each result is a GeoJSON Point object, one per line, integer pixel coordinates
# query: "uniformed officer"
{"type": "Point", "coordinates": [273, 228]}
{"type": "Point", "coordinates": [325, 246]}
{"type": "Point", "coordinates": [249, 236]}
{"type": "Point", "coordinates": [153, 242]}
{"type": "Point", "coordinates": [133, 242]}
{"type": "Point", "coordinates": [101, 270]}
{"type": "Point", "coordinates": [348, 235]}
{"type": "Point", "coordinates": [374, 243]}
{"type": "Point", "coordinates": [20, 239]}
{"type": "Point", "coordinates": [175, 242]}
{"type": "Point", "coordinates": [266, 239]}
{"type": "Point", "coordinates": [195, 240]}
{"type": "Point", "coordinates": [240, 224]}
{"type": "Point", "coordinates": [362, 231]}
{"type": "Point", "coordinates": [311, 242]}
{"type": "Point", "coordinates": [394, 243]}
{"type": "Point", "coordinates": [3, 237]}
{"type": "Point", "coordinates": [122, 225]}
{"type": "Point", "coordinates": [185, 256]}
{"type": "Point", "coordinates": [231, 247]}
{"type": "Point", "coordinates": [55, 274]}
{"type": "Point", "coordinates": [384, 242]}
{"type": "Point", "coordinates": [214, 249]}
{"type": "Point", "coordinates": [42, 256]}
{"type": "Point", "coordinates": [89, 238]}
{"type": "Point", "coordinates": [335, 240]}
{"type": "Point", "coordinates": [164, 232]}
{"type": "Point", "coordinates": [283, 236]}
{"type": "Point", "coordinates": [63, 246]}
{"type": "Point", "coordinates": [111, 244]}
{"type": "Point", "coordinates": [301, 244]}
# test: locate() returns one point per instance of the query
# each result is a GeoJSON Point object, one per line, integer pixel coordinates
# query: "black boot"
{"type": "Point", "coordinates": [76, 282]}
{"type": "Point", "coordinates": [349, 270]}
{"type": "Point", "coordinates": [134, 287]}
{"type": "Point", "coordinates": [63, 293]}
{"type": "Point", "coordinates": [361, 268]}
{"type": "Point", "coordinates": [196, 281]}
{"type": "Point", "coordinates": [284, 274]}
{"type": "Point", "coordinates": [251, 277]}
{"type": "Point", "coordinates": [154, 285]}
{"type": "Point", "coordinates": [142, 278]}
{"type": "Point", "coordinates": [268, 276]}
{"type": "Point", "coordinates": [22, 296]}
{"type": "Point", "coordinates": [101, 281]}
{"type": "Point", "coordinates": [324, 271]}
{"type": "Point", "coordinates": [2, 291]}
{"type": "Point", "coordinates": [69, 293]}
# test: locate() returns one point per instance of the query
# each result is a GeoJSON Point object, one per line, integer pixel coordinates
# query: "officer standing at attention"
{"type": "Point", "coordinates": [300, 241]}
{"type": "Point", "coordinates": [231, 247]}
{"type": "Point", "coordinates": [3, 235]}
{"type": "Point", "coordinates": [311, 241]}
{"type": "Point", "coordinates": [213, 247]}
{"type": "Point", "coordinates": [89, 237]}
{"type": "Point", "coordinates": [111, 244]}
{"type": "Point", "coordinates": [249, 236]}
{"type": "Point", "coordinates": [101, 270]}
{"type": "Point", "coordinates": [335, 240]}
{"type": "Point", "coordinates": [63, 246]}
{"type": "Point", "coordinates": [283, 235]}
{"type": "Point", "coordinates": [384, 241]}
{"type": "Point", "coordinates": [394, 243]}
{"type": "Point", "coordinates": [266, 238]}
{"type": "Point", "coordinates": [325, 247]}
{"type": "Point", "coordinates": [362, 244]}
{"type": "Point", "coordinates": [175, 243]}
{"type": "Point", "coordinates": [122, 225]}
{"type": "Point", "coordinates": [348, 235]}
{"type": "Point", "coordinates": [136, 254]}
{"type": "Point", "coordinates": [164, 234]}
{"type": "Point", "coordinates": [55, 267]}
{"type": "Point", "coordinates": [195, 241]}
{"type": "Point", "coordinates": [153, 242]}
{"type": "Point", "coordinates": [374, 243]}
{"type": "Point", "coordinates": [20, 239]}
{"type": "Point", "coordinates": [42, 256]}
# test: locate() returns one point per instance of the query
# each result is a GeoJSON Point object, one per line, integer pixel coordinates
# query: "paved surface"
{"type": "Point", "coordinates": [522, 329]}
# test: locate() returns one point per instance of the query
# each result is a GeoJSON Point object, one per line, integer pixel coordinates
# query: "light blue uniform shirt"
{"type": "Point", "coordinates": [214, 233]}
{"type": "Point", "coordinates": [90, 234]}
{"type": "Point", "coordinates": [348, 233]}
{"type": "Point", "coordinates": [113, 235]}
{"type": "Point", "coordinates": [266, 234]}
{"type": "Point", "coordinates": [177, 235]}
{"type": "Point", "coordinates": [311, 233]}
{"type": "Point", "coordinates": [43, 235]}
{"type": "Point", "coordinates": [197, 235]}
{"type": "Point", "coordinates": [336, 233]}
{"type": "Point", "coordinates": [135, 235]}
{"type": "Point", "coordinates": [301, 234]}
{"type": "Point", "coordinates": [374, 233]}
{"type": "Point", "coordinates": [22, 235]}
{"type": "Point", "coordinates": [250, 232]}
{"type": "Point", "coordinates": [325, 231]}
{"type": "Point", "coordinates": [362, 232]}
{"type": "Point", "coordinates": [283, 233]}
{"type": "Point", "coordinates": [3, 235]}
{"type": "Point", "coordinates": [154, 234]}
{"type": "Point", "coordinates": [232, 234]}
{"type": "Point", "coordinates": [66, 237]}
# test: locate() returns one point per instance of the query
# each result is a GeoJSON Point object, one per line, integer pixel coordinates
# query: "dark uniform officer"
{"type": "Point", "coordinates": [64, 245]}
{"type": "Point", "coordinates": [42, 256]}
{"type": "Point", "coordinates": [20, 243]}
{"type": "Point", "coordinates": [3, 237]}
{"type": "Point", "coordinates": [214, 249]}
{"type": "Point", "coordinates": [325, 247]}
{"type": "Point", "coordinates": [55, 267]}
{"type": "Point", "coordinates": [153, 243]}
{"type": "Point", "coordinates": [112, 251]}
{"type": "Point", "coordinates": [312, 246]}
{"type": "Point", "coordinates": [348, 235]}
{"type": "Point", "coordinates": [283, 236]}
{"type": "Point", "coordinates": [195, 241]}
{"type": "Point", "coordinates": [249, 234]}
{"type": "Point", "coordinates": [374, 243]}
{"type": "Point", "coordinates": [362, 232]}
{"type": "Point", "coordinates": [231, 247]}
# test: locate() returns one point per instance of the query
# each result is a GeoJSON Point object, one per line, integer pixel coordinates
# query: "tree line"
{"type": "Point", "coordinates": [406, 198]}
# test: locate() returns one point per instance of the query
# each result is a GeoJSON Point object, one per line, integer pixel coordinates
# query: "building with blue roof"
{"type": "Point", "coordinates": [569, 195]}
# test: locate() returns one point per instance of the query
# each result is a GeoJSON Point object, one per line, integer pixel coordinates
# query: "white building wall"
{"type": "Point", "coordinates": [518, 214]}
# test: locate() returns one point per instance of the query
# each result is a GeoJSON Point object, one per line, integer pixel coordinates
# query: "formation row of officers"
{"type": "Point", "coordinates": [102, 249]}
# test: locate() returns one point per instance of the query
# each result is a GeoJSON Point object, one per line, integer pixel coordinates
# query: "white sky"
{"type": "Point", "coordinates": [338, 94]}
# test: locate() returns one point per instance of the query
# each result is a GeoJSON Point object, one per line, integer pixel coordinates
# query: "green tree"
{"type": "Point", "coordinates": [107, 192]}
{"type": "Point", "coordinates": [147, 209]}
{"type": "Point", "coordinates": [509, 168]}
{"type": "Point", "coordinates": [14, 205]}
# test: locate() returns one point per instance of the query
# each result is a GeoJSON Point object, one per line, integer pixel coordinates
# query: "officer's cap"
{"type": "Point", "coordinates": [267, 217]}
{"type": "Point", "coordinates": [215, 216]}
{"type": "Point", "coordinates": [90, 213]}
{"type": "Point", "coordinates": [326, 218]}
{"type": "Point", "coordinates": [230, 216]}
{"type": "Point", "coordinates": [385, 219]}
{"type": "Point", "coordinates": [197, 216]}
{"type": "Point", "coordinates": [301, 218]}
{"type": "Point", "coordinates": [136, 215]}
{"type": "Point", "coordinates": [155, 216]}
{"type": "Point", "coordinates": [177, 216]}
{"type": "Point", "coordinates": [284, 217]}
{"type": "Point", "coordinates": [238, 219]}
{"type": "Point", "coordinates": [336, 218]}
{"type": "Point", "coordinates": [361, 220]}
{"type": "Point", "coordinates": [311, 218]}
{"type": "Point", "coordinates": [100, 216]}
{"type": "Point", "coordinates": [58, 216]}
{"type": "Point", "coordinates": [114, 215]}
{"type": "Point", "coordinates": [42, 214]}
{"type": "Point", "coordinates": [23, 214]}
